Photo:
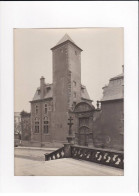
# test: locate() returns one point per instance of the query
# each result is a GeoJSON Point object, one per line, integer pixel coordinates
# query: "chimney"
{"type": "Point", "coordinates": [98, 105]}
{"type": "Point", "coordinates": [42, 84]}
{"type": "Point", "coordinates": [122, 68]}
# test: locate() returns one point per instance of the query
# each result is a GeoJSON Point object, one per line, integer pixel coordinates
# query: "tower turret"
{"type": "Point", "coordinates": [66, 81]}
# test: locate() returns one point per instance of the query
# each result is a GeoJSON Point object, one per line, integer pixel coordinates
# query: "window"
{"type": "Point", "coordinates": [36, 109]}
{"type": "Point", "coordinates": [45, 126]}
{"type": "Point", "coordinates": [49, 108]}
{"type": "Point", "coordinates": [74, 94]}
{"type": "Point", "coordinates": [74, 83]}
{"type": "Point", "coordinates": [39, 92]}
{"type": "Point", "coordinates": [36, 125]}
{"type": "Point", "coordinates": [48, 88]}
{"type": "Point", "coordinates": [75, 52]}
{"type": "Point", "coordinates": [45, 109]}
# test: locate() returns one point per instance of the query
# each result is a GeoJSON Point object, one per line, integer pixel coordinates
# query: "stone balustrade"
{"type": "Point", "coordinates": [106, 157]}
{"type": "Point", "coordinates": [101, 156]}
{"type": "Point", "coordinates": [58, 154]}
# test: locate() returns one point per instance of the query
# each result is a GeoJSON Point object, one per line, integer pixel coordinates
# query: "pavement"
{"type": "Point", "coordinates": [30, 162]}
{"type": "Point", "coordinates": [35, 148]}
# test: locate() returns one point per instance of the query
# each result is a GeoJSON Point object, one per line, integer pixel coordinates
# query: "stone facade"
{"type": "Point", "coordinates": [108, 126]}
{"type": "Point", "coordinates": [53, 103]}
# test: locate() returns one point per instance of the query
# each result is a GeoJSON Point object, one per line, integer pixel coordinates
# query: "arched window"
{"type": "Point", "coordinates": [46, 125]}
{"type": "Point", "coordinates": [36, 125]}
{"type": "Point", "coordinates": [45, 109]}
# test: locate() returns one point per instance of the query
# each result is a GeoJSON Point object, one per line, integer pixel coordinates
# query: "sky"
{"type": "Point", "coordinates": [102, 58]}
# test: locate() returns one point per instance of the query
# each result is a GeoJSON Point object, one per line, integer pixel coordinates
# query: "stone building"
{"type": "Point", "coordinates": [108, 126]}
{"type": "Point", "coordinates": [53, 103]}
{"type": "Point", "coordinates": [17, 124]}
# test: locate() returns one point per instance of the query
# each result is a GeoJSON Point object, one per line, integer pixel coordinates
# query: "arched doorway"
{"type": "Point", "coordinates": [84, 122]}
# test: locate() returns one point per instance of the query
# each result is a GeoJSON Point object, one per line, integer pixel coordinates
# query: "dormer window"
{"type": "Point", "coordinates": [39, 92]}
{"type": "Point", "coordinates": [48, 88]}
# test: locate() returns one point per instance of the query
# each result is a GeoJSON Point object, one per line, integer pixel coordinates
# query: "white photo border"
{"type": "Point", "coordinates": [61, 15]}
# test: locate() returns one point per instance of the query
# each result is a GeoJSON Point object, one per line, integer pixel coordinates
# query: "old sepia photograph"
{"type": "Point", "coordinates": [69, 101]}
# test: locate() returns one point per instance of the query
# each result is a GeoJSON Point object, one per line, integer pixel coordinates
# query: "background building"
{"type": "Point", "coordinates": [25, 126]}
{"type": "Point", "coordinates": [17, 128]}
{"type": "Point", "coordinates": [108, 123]}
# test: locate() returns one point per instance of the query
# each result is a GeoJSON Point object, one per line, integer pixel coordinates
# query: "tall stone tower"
{"type": "Point", "coordinates": [66, 84]}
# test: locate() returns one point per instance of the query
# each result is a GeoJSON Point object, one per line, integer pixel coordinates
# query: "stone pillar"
{"type": "Point", "coordinates": [67, 150]}
{"type": "Point", "coordinates": [70, 139]}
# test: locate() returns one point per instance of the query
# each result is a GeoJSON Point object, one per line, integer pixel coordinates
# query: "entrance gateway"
{"type": "Point", "coordinates": [84, 131]}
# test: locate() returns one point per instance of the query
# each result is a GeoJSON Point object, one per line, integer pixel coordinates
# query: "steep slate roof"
{"type": "Point", "coordinates": [117, 77]}
{"type": "Point", "coordinates": [48, 93]}
{"type": "Point", "coordinates": [65, 38]}
{"type": "Point", "coordinates": [84, 93]}
{"type": "Point", "coordinates": [115, 89]}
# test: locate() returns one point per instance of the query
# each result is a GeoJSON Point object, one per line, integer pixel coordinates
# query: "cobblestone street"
{"type": "Point", "coordinates": [30, 162]}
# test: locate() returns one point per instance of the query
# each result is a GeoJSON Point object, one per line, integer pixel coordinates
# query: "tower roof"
{"type": "Point", "coordinates": [64, 39]}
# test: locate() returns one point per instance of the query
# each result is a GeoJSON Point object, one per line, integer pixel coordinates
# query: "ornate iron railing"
{"type": "Point", "coordinates": [106, 157]}
{"type": "Point", "coordinates": [58, 154]}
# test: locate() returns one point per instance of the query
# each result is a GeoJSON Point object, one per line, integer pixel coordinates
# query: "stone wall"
{"type": "Point", "coordinates": [108, 128]}
{"type": "Point", "coordinates": [40, 116]}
